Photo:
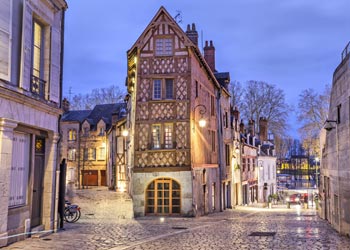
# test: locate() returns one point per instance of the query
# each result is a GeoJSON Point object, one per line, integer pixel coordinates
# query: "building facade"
{"type": "Point", "coordinates": [175, 162]}
{"type": "Point", "coordinates": [31, 52]}
{"type": "Point", "coordinates": [335, 171]}
{"type": "Point", "coordinates": [90, 145]}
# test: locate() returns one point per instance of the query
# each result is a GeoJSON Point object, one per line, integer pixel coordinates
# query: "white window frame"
{"type": "Point", "coordinates": [163, 46]}
{"type": "Point", "coordinates": [101, 155]}
{"type": "Point", "coordinates": [157, 89]}
{"type": "Point", "coordinates": [71, 154]}
{"type": "Point", "coordinates": [156, 136]}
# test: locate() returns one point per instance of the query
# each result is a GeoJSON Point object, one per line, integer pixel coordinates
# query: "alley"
{"type": "Point", "coordinates": [232, 229]}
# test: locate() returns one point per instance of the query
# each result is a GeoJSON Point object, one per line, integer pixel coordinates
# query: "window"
{"type": "Point", "coordinates": [244, 164]}
{"type": "Point", "coordinates": [168, 135]}
{"type": "Point", "coordinates": [93, 153]}
{"type": "Point", "coordinates": [86, 131]}
{"type": "Point", "coordinates": [248, 163]}
{"type": "Point", "coordinates": [212, 105]}
{"type": "Point", "coordinates": [169, 89]}
{"type": "Point", "coordinates": [102, 131]}
{"type": "Point", "coordinates": [72, 135]}
{"type": "Point", "coordinates": [196, 89]}
{"type": "Point", "coordinates": [101, 154]}
{"type": "Point", "coordinates": [227, 154]}
{"type": "Point", "coordinates": [85, 154]}
{"type": "Point", "coordinates": [338, 113]}
{"type": "Point", "coordinates": [163, 89]}
{"type": "Point", "coordinates": [157, 89]}
{"type": "Point", "coordinates": [163, 196]}
{"type": "Point", "coordinates": [156, 136]}
{"type": "Point", "coordinates": [19, 170]}
{"type": "Point", "coordinates": [37, 83]}
{"type": "Point", "coordinates": [213, 141]}
{"type": "Point", "coordinates": [71, 154]}
{"type": "Point", "coordinates": [164, 47]}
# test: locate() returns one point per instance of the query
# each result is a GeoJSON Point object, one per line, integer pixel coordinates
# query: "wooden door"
{"type": "Point", "coordinates": [38, 182]}
{"type": "Point", "coordinates": [103, 178]}
{"type": "Point", "coordinates": [90, 177]}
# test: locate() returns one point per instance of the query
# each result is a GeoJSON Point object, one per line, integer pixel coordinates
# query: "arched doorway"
{"type": "Point", "coordinates": [163, 197]}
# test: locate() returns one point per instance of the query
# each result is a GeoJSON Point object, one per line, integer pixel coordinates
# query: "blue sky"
{"type": "Point", "coordinates": [295, 44]}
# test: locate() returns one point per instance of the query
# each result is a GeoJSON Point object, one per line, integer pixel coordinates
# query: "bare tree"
{"type": "Point", "coordinates": [260, 99]}
{"type": "Point", "coordinates": [313, 111]}
{"type": "Point", "coordinates": [111, 94]}
{"type": "Point", "coordinates": [236, 91]}
{"type": "Point", "coordinates": [283, 146]}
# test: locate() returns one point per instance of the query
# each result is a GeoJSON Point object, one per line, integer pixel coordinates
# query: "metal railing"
{"type": "Point", "coordinates": [37, 86]}
{"type": "Point", "coordinates": [346, 51]}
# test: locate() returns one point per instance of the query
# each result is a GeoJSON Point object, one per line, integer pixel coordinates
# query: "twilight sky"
{"type": "Point", "coordinates": [295, 44]}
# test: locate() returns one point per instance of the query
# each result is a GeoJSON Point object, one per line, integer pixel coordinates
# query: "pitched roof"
{"type": "Point", "coordinates": [75, 115]}
{"type": "Point", "coordinates": [101, 111]}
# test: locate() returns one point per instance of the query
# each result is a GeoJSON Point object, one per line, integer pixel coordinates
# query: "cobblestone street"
{"type": "Point", "coordinates": [230, 229]}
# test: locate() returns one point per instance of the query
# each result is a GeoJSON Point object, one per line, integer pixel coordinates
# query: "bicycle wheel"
{"type": "Point", "coordinates": [78, 213]}
{"type": "Point", "coordinates": [70, 216]}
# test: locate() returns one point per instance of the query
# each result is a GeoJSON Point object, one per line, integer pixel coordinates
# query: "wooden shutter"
{"type": "Point", "coordinates": [27, 30]}
{"type": "Point", "coordinates": [55, 67]}
{"type": "Point", "coordinates": [19, 169]}
{"type": "Point", "coordinates": [5, 39]}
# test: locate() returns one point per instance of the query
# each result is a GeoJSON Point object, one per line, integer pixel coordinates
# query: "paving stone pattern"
{"type": "Point", "coordinates": [230, 229]}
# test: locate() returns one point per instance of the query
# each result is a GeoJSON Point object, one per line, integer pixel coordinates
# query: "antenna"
{"type": "Point", "coordinates": [178, 16]}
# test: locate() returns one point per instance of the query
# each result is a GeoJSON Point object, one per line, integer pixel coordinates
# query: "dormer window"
{"type": "Point", "coordinates": [86, 131]}
{"type": "Point", "coordinates": [164, 47]}
{"type": "Point", "coordinates": [102, 131]}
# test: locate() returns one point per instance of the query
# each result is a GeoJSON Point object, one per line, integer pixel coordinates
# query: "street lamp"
{"type": "Point", "coordinates": [329, 125]}
{"type": "Point", "coordinates": [202, 122]}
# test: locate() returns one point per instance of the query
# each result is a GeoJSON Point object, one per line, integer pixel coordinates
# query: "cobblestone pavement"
{"type": "Point", "coordinates": [230, 229]}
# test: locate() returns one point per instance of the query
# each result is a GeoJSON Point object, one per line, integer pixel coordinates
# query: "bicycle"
{"type": "Point", "coordinates": [71, 212]}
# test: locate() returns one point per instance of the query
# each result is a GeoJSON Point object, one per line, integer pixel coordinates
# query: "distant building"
{"type": "Point", "coordinates": [335, 170]}
{"type": "Point", "coordinates": [249, 157]}
{"type": "Point", "coordinates": [267, 160]}
{"type": "Point", "coordinates": [178, 167]}
{"type": "Point", "coordinates": [31, 52]}
{"type": "Point", "coordinates": [89, 144]}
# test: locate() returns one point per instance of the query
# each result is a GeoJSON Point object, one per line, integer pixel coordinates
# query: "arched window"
{"type": "Point", "coordinates": [163, 196]}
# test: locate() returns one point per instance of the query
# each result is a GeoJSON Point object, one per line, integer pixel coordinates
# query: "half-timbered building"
{"type": "Point", "coordinates": [175, 122]}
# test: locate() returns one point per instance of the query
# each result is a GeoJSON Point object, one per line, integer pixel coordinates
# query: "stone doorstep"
{"type": "Point", "coordinates": [38, 232]}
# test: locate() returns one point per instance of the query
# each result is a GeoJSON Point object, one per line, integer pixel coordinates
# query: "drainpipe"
{"type": "Point", "coordinates": [220, 141]}
{"type": "Point", "coordinates": [58, 125]}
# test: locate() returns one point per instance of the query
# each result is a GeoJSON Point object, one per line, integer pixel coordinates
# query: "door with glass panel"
{"type": "Point", "coordinates": [163, 197]}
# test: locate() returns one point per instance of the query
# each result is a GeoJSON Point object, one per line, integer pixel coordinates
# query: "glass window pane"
{"type": "Point", "coordinates": [157, 89]}
{"type": "Point", "coordinates": [150, 210]}
{"type": "Point", "coordinates": [150, 193]}
{"type": "Point", "coordinates": [160, 202]}
{"type": "Point", "coordinates": [176, 194]}
{"type": "Point", "coordinates": [160, 186]}
{"type": "Point", "coordinates": [176, 201]}
{"type": "Point", "coordinates": [156, 136]}
{"type": "Point", "coordinates": [169, 88]}
{"type": "Point", "coordinates": [166, 193]}
{"type": "Point", "coordinates": [176, 210]}
{"type": "Point", "coordinates": [151, 186]}
{"type": "Point", "coordinates": [159, 210]}
{"type": "Point", "coordinates": [175, 185]}
{"type": "Point", "coordinates": [166, 186]}
{"type": "Point", "coordinates": [151, 202]}
{"type": "Point", "coordinates": [166, 210]}
{"type": "Point", "coordinates": [166, 202]}
{"type": "Point", "coordinates": [168, 135]}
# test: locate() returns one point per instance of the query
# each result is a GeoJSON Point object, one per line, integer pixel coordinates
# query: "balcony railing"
{"type": "Point", "coordinates": [37, 86]}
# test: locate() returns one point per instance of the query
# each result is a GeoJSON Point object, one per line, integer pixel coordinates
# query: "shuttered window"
{"type": "Point", "coordinates": [5, 39]}
{"type": "Point", "coordinates": [19, 170]}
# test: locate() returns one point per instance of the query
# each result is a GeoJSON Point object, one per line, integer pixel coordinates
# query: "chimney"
{"type": "Point", "coordinates": [65, 105]}
{"type": "Point", "coordinates": [241, 127]}
{"type": "Point", "coordinates": [263, 129]}
{"type": "Point", "coordinates": [209, 55]}
{"type": "Point", "coordinates": [251, 127]}
{"type": "Point", "coordinates": [192, 33]}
